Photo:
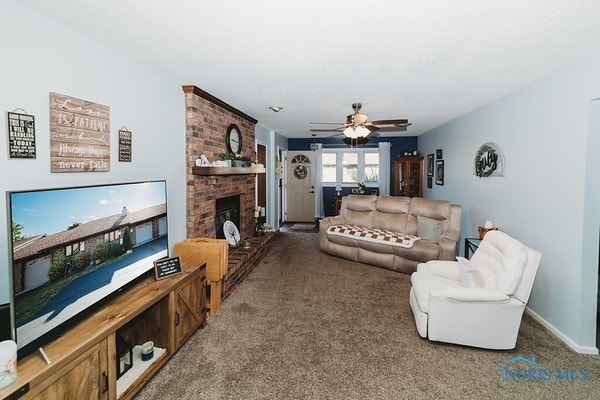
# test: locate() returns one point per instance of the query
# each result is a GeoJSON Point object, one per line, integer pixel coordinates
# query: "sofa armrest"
{"type": "Point", "coordinates": [331, 221]}
{"type": "Point", "coordinates": [469, 294]}
{"type": "Point", "coordinates": [324, 224]}
{"type": "Point", "coordinates": [448, 244]}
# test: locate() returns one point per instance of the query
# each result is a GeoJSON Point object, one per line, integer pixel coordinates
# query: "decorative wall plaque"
{"type": "Point", "coordinates": [489, 161]}
{"type": "Point", "coordinates": [21, 135]}
{"type": "Point", "coordinates": [124, 146]}
{"type": "Point", "coordinates": [79, 135]}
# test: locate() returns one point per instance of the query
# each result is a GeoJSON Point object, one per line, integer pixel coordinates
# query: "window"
{"type": "Point", "coordinates": [350, 167]}
{"type": "Point", "coordinates": [329, 167]}
{"type": "Point", "coordinates": [74, 248]}
{"type": "Point", "coordinates": [112, 236]}
{"type": "Point", "coordinates": [371, 167]}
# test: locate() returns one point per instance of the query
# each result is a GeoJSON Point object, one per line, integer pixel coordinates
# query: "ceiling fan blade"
{"type": "Point", "coordinates": [371, 127]}
{"type": "Point", "coordinates": [326, 130]}
{"type": "Point", "coordinates": [392, 129]}
{"type": "Point", "coordinates": [391, 122]}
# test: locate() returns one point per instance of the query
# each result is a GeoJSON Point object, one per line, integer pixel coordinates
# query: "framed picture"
{"type": "Point", "coordinates": [166, 267]}
{"type": "Point", "coordinates": [429, 182]}
{"type": "Point", "coordinates": [438, 154]}
{"type": "Point", "coordinates": [439, 172]}
{"type": "Point", "coordinates": [430, 165]}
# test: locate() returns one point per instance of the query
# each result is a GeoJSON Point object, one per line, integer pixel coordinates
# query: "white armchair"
{"type": "Point", "coordinates": [477, 302]}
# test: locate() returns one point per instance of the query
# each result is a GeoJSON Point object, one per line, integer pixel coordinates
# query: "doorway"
{"type": "Point", "coordinates": [300, 186]}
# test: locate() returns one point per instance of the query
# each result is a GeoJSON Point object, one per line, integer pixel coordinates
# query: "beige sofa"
{"type": "Point", "coordinates": [392, 232]}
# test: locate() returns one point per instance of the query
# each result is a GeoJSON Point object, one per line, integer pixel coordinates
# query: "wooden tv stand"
{"type": "Point", "coordinates": [83, 359]}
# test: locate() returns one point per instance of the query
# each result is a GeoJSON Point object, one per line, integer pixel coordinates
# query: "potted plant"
{"type": "Point", "coordinates": [230, 158]}
{"type": "Point", "coordinates": [362, 188]}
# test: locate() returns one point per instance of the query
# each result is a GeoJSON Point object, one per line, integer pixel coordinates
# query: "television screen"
{"type": "Point", "coordinates": [71, 248]}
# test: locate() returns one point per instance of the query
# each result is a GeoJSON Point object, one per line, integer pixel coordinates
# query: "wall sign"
{"type": "Point", "coordinates": [79, 135]}
{"type": "Point", "coordinates": [21, 135]}
{"type": "Point", "coordinates": [124, 146]}
{"type": "Point", "coordinates": [489, 161]}
{"type": "Point", "coordinates": [167, 267]}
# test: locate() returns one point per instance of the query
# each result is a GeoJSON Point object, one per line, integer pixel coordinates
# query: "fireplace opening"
{"type": "Point", "coordinates": [227, 209]}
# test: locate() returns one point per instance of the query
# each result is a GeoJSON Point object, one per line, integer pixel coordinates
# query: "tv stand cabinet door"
{"type": "Point", "coordinates": [190, 307]}
{"type": "Point", "coordinates": [84, 378]}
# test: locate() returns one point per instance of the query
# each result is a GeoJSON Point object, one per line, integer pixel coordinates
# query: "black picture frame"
{"type": "Point", "coordinates": [429, 182]}
{"type": "Point", "coordinates": [438, 154]}
{"type": "Point", "coordinates": [439, 172]}
{"type": "Point", "coordinates": [167, 267]}
{"type": "Point", "coordinates": [430, 165]}
{"type": "Point", "coordinates": [21, 135]}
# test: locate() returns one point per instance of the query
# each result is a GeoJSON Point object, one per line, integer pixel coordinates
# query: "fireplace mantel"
{"type": "Point", "coordinates": [227, 170]}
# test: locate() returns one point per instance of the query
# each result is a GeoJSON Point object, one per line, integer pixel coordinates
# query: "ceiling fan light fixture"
{"type": "Point", "coordinates": [354, 132]}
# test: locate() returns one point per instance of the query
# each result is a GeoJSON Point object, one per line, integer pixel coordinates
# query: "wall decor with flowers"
{"type": "Point", "coordinates": [489, 161]}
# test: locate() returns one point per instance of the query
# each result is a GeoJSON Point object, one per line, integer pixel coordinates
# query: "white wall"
{"type": "Point", "coordinates": [548, 132]}
{"type": "Point", "coordinates": [40, 56]}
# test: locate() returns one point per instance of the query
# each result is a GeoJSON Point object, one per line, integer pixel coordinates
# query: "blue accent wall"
{"type": "Point", "coordinates": [400, 145]}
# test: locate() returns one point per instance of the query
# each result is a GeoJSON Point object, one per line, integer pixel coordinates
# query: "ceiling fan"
{"type": "Point", "coordinates": [357, 125]}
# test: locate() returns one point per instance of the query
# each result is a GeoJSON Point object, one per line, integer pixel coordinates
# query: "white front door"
{"type": "Point", "coordinates": [300, 186]}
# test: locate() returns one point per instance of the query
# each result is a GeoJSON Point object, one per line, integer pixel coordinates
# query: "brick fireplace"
{"type": "Point", "coordinates": [207, 120]}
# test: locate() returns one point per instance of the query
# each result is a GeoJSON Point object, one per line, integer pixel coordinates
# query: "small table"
{"type": "Point", "coordinates": [471, 244]}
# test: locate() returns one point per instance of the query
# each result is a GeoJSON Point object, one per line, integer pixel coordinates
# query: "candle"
{"type": "Point", "coordinates": [256, 214]}
{"type": "Point", "coordinates": [262, 211]}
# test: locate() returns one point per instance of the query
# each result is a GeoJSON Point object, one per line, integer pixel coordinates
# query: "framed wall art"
{"type": "Point", "coordinates": [21, 135]}
{"type": "Point", "coordinates": [438, 154]}
{"type": "Point", "coordinates": [439, 172]}
{"type": "Point", "coordinates": [79, 135]}
{"type": "Point", "coordinates": [489, 161]}
{"type": "Point", "coordinates": [430, 164]}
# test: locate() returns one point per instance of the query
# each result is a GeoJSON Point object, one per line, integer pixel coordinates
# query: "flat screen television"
{"type": "Point", "coordinates": [73, 248]}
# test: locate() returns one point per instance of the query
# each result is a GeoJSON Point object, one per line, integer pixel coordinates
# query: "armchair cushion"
{"type": "Point", "coordinates": [472, 275]}
{"type": "Point", "coordinates": [505, 257]}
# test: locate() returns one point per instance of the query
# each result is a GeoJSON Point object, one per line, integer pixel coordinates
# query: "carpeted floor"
{"type": "Point", "coordinates": [305, 325]}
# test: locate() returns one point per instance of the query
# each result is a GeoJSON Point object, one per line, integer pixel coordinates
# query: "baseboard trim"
{"type": "Point", "coordinates": [560, 335]}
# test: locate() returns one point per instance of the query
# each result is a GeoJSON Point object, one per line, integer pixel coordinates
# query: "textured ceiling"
{"type": "Point", "coordinates": [428, 61]}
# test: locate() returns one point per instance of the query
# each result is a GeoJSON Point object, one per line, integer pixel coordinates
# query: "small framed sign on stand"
{"type": "Point", "coordinates": [167, 267]}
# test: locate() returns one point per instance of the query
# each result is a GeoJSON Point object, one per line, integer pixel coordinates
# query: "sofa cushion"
{"type": "Point", "coordinates": [359, 210]}
{"type": "Point", "coordinates": [433, 209]}
{"type": "Point", "coordinates": [421, 251]}
{"type": "Point", "coordinates": [373, 235]}
{"type": "Point", "coordinates": [428, 229]}
{"type": "Point", "coordinates": [391, 213]}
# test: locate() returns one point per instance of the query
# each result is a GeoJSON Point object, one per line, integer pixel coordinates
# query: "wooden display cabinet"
{"type": "Point", "coordinates": [408, 176]}
{"type": "Point", "coordinates": [83, 359]}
